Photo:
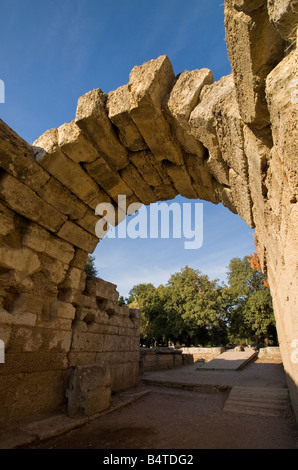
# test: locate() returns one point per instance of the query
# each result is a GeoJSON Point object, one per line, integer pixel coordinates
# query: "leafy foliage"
{"type": "Point", "coordinates": [90, 268]}
{"type": "Point", "coordinates": [188, 309]}
{"type": "Point", "coordinates": [191, 309]}
{"type": "Point", "coordinates": [251, 312]}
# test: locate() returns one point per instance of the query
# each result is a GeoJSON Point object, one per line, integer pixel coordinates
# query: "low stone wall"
{"type": "Point", "coordinates": [167, 358]}
{"type": "Point", "coordinates": [159, 359]}
{"type": "Point", "coordinates": [106, 333]}
{"type": "Point", "coordinates": [202, 353]}
{"type": "Point", "coordinates": [270, 352]}
{"type": "Point", "coordinates": [41, 355]}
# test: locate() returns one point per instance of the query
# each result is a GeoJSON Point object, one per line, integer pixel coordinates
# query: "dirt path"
{"type": "Point", "coordinates": [175, 419]}
{"type": "Point", "coordinates": [172, 418]}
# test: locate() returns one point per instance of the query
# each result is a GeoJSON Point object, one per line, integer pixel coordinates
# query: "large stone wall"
{"type": "Point", "coordinates": [232, 142]}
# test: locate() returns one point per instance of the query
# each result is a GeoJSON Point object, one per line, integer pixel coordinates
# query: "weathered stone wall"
{"type": "Point", "coordinates": [52, 319]}
{"type": "Point", "coordinates": [160, 358]}
{"type": "Point", "coordinates": [261, 39]}
{"type": "Point", "coordinates": [203, 353]}
{"type": "Point", "coordinates": [233, 141]}
{"type": "Point", "coordinates": [106, 333]}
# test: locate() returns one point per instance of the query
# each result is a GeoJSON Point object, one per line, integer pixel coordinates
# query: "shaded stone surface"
{"type": "Point", "coordinates": [232, 142]}
{"type": "Point", "coordinates": [88, 390]}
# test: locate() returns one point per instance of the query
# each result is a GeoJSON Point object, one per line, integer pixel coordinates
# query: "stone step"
{"type": "Point", "coordinates": [195, 387]}
{"type": "Point", "coordinates": [257, 401]}
{"type": "Point", "coordinates": [229, 360]}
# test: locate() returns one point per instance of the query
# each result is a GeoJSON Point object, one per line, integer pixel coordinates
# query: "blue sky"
{"type": "Point", "coordinates": [54, 51]}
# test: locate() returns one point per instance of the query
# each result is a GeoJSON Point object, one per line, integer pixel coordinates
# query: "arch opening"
{"type": "Point", "coordinates": [146, 140]}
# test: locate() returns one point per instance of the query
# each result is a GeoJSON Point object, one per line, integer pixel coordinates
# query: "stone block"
{"type": "Point", "coordinates": [22, 259]}
{"type": "Point", "coordinates": [254, 48]}
{"type": "Point", "coordinates": [258, 155]}
{"type": "Point", "coordinates": [27, 303]}
{"type": "Point", "coordinates": [165, 361]}
{"type": "Point", "coordinates": [119, 105]}
{"type": "Point", "coordinates": [180, 103]}
{"type": "Point", "coordinates": [101, 289]}
{"type": "Point", "coordinates": [107, 178]}
{"type": "Point", "coordinates": [82, 358]}
{"type": "Point", "coordinates": [282, 97]}
{"type": "Point", "coordinates": [17, 319]}
{"type": "Point", "coordinates": [61, 309]}
{"type": "Point", "coordinates": [58, 196]}
{"type": "Point", "coordinates": [7, 224]}
{"type": "Point", "coordinates": [229, 130]}
{"type": "Point", "coordinates": [75, 144]}
{"type": "Point", "coordinates": [87, 342]}
{"type": "Point", "coordinates": [24, 201]}
{"type": "Point", "coordinates": [40, 240]}
{"type": "Point", "coordinates": [77, 236]}
{"type": "Point", "coordinates": [124, 376]}
{"type": "Point", "coordinates": [181, 180]}
{"type": "Point", "coordinates": [89, 390]}
{"type": "Point", "coordinates": [79, 259]}
{"type": "Point", "coordinates": [40, 339]}
{"type": "Point", "coordinates": [246, 5]}
{"type": "Point", "coordinates": [41, 392]}
{"type": "Point", "coordinates": [178, 360]}
{"type": "Point", "coordinates": [99, 328]}
{"type": "Point", "coordinates": [225, 195]}
{"type": "Point", "coordinates": [5, 333]}
{"type": "Point", "coordinates": [70, 174]}
{"type": "Point", "coordinates": [88, 222]}
{"type": "Point", "coordinates": [241, 197]}
{"type": "Point", "coordinates": [54, 270]}
{"type": "Point", "coordinates": [18, 160]}
{"type": "Point", "coordinates": [165, 192]}
{"type": "Point", "coordinates": [185, 94]}
{"type": "Point", "coordinates": [151, 170]}
{"type": "Point", "coordinates": [135, 181]}
{"type": "Point", "coordinates": [149, 84]}
{"type": "Point", "coordinates": [203, 125]}
{"type": "Point", "coordinates": [92, 119]}
{"type": "Point", "coordinates": [74, 279]}
{"type": "Point", "coordinates": [201, 178]}
{"type": "Point", "coordinates": [284, 15]}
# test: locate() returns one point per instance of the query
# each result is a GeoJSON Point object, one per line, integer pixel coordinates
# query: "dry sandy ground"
{"type": "Point", "coordinates": [170, 418]}
{"type": "Point", "coordinates": [173, 419]}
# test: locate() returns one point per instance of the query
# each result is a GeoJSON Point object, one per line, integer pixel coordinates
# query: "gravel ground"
{"type": "Point", "coordinates": [175, 419]}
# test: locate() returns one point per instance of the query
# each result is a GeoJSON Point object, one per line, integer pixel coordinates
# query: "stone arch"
{"type": "Point", "coordinates": [230, 142]}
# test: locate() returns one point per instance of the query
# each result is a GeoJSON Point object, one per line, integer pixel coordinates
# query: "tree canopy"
{"type": "Point", "coordinates": [251, 312]}
{"type": "Point", "coordinates": [193, 310]}
{"type": "Point", "coordinates": [90, 268]}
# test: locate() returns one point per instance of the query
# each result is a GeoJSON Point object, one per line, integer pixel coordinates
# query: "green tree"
{"type": "Point", "coordinates": [189, 309]}
{"type": "Point", "coordinates": [122, 300]}
{"type": "Point", "coordinates": [251, 314]}
{"type": "Point", "coordinates": [90, 268]}
{"type": "Point", "coordinates": [196, 306]}
{"type": "Point", "coordinates": [148, 299]}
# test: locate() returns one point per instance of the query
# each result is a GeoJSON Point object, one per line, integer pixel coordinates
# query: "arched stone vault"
{"type": "Point", "coordinates": [232, 141]}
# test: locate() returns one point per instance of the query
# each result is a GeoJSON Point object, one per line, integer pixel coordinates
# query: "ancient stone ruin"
{"type": "Point", "coordinates": [233, 142]}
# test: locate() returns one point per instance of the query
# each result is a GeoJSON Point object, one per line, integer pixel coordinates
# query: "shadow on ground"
{"type": "Point", "coordinates": [176, 418]}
